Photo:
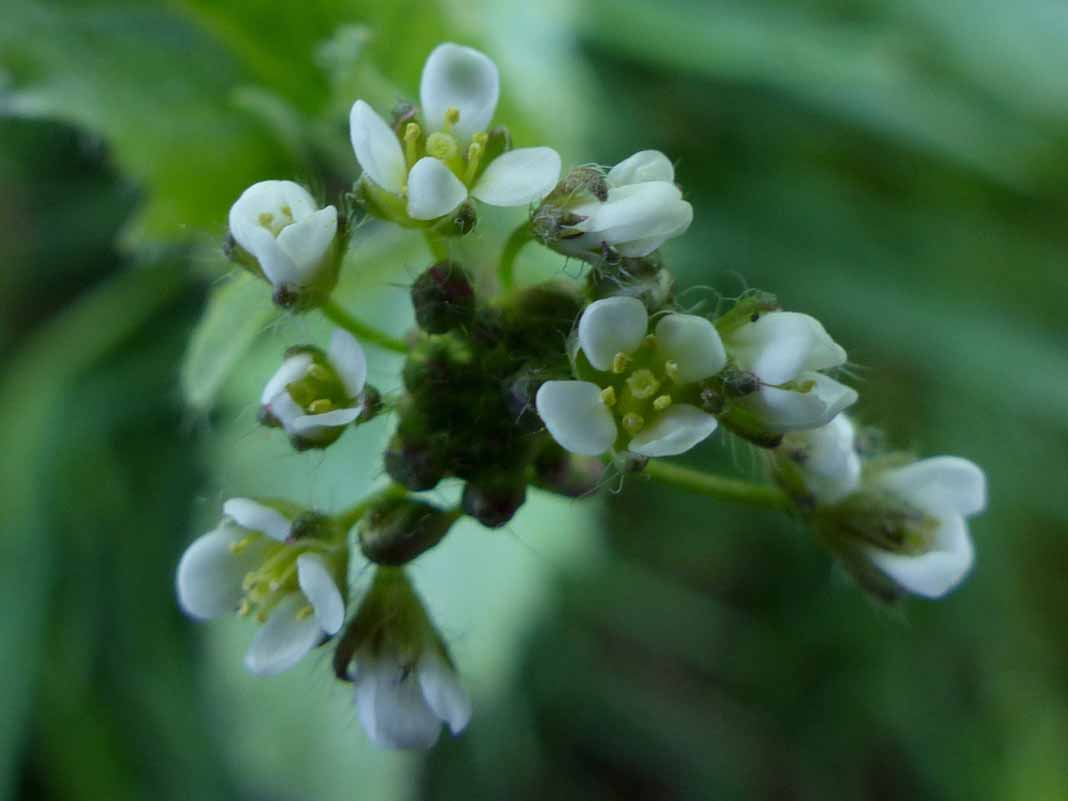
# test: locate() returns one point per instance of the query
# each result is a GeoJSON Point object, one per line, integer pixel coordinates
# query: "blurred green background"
{"type": "Point", "coordinates": [898, 168]}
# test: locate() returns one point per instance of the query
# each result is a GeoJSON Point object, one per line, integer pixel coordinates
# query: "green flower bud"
{"type": "Point", "coordinates": [444, 298]}
{"type": "Point", "coordinates": [397, 530]}
{"type": "Point", "coordinates": [643, 278]}
{"type": "Point", "coordinates": [747, 310]}
{"type": "Point", "coordinates": [494, 500]}
{"type": "Point", "coordinates": [414, 463]}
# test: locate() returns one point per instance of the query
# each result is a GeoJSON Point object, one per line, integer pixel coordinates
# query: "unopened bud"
{"type": "Point", "coordinates": [414, 464]}
{"type": "Point", "coordinates": [397, 530]}
{"type": "Point", "coordinates": [444, 298]}
{"type": "Point", "coordinates": [642, 278]}
{"type": "Point", "coordinates": [748, 309]}
{"type": "Point", "coordinates": [493, 501]}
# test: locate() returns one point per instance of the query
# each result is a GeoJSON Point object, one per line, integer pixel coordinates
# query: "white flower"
{"type": "Point", "coordinates": [313, 395]}
{"type": "Point", "coordinates": [644, 209]}
{"type": "Point", "coordinates": [436, 168]}
{"type": "Point", "coordinates": [279, 224]}
{"type": "Point", "coordinates": [246, 565]}
{"type": "Point", "coordinates": [646, 383]}
{"type": "Point", "coordinates": [826, 459]}
{"type": "Point", "coordinates": [937, 495]}
{"type": "Point", "coordinates": [786, 351]}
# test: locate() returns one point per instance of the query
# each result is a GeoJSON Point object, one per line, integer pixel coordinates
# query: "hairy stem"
{"type": "Point", "coordinates": [361, 330]}
{"type": "Point", "coordinates": [715, 486]}
{"type": "Point", "coordinates": [506, 270]}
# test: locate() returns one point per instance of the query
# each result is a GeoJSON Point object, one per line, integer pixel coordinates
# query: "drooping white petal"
{"type": "Point", "coordinates": [635, 212]}
{"type": "Point", "coordinates": [694, 345]}
{"type": "Point", "coordinates": [293, 368]}
{"type": "Point", "coordinates": [443, 692]}
{"type": "Point", "coordinates": [210, 574]}
{"type": "Point", "coordinates": [576, 416]}
{"type": "Point", "coordinates": [277, 265]}
{"type": "Point", "coordinates": [254, 516]}
{"type": "Point", "coordinates": [673, 431]}
{"type": "Point", "coordinates": [461, 78]}
{"type": "Point", "coordinates": [780, 345]}
{"type": "Point", "coordinates": [934, 573]}
{"type": "Point", "coordinates": [940, 485]}
{"type": "Point", "coordinates": [643, 166]}
{"type": "Point", "coordinates": [286, 410]}
{"type": "Point", "coordinates": [610, 326]}
{"type": "Point", "coordinates": [786, 410]}
{"type": "Point", "coordinates": [284, 639]}
{"type": "Point", "coordinates": [433, 190]}
{"type": "Point", "coordinates": [308, 425]}
{"type": "Point", "coordinates": [349, 361]}
{"type": "Point", "coordinates": [830, 464]}
{"type": "Point", "coordinates": [391, 705]}
{"type": "Point", "coordinates": [377, 148]}
{"type": "Point", "coordinates": [519, 177]}
{"type": "Point", "coordinates": [318, 586]}
{"type": "Point", "coordinates": [307, 240]}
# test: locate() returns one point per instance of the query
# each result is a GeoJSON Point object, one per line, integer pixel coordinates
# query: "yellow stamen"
{"type": "Point", "coordinates": [412, 132]}
{"type": "Point", "coordinates": [241, 544]}
{"type": "Point", "coordinates": [671, 369]}
{"type": "Point", "coordinates": [662, 402]}
{"type": "Point", "coordinates": [265, 219]}
{"type": "Point", "coordinates": [633, 422]}
{"type": "Point", "coordinates": [452, 116]}
{"type": "Point", "coordinates": [320, 406]}
{"type": "Point", "coordinates": [305, 612]}
{"type": "Point", "coordinates": [608, 396]}
{"type": "Point", "coordinates": [320, 372]}
{"type": "Point", "coordinates": [287, 212]}
{"type": "Point", "coordinates": [619, 363]}
{"type": "Point", "coordinates": [474, 156]}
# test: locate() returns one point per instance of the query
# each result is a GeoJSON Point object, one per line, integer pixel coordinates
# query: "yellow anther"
{"type": "Point", "coordinates": [320, 406]}
{"type": "Point", "coordinates": [305, 612]}
{"type": "Point", "coordinates": [806, 386]}
{"type": "Point", "coordinates": [442, 146]}
{"type": "Point", "coordinates": [452, 116]}
{"type": "Point", "coordinates": [474, 158]}
{"type": "Point", "coordinates": [642, 384]}
{"type": "Point", "coordinates": [662, 402]}
{"type": "Point", "coordinates": [620, 362]}
{"type": "Point", "coordinates": [671, 369]}
{"type": "Point", "coordinates": [287, 212]}
{"type": "Point", "coordinates": [320, 372]}
{"type": "Point", "coordinates": [633, 422]}
{"type": "Point", "coordinates": [265, 219]}
{"type": "Point", "coordinates": [241, 544]}
{"type": "Point", "coordinates": [608, 396]}
{"type": "Point", "coordinates": [412, 133]}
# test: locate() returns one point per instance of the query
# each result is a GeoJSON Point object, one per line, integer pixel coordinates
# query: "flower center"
{"type": "Point", "coordinates": [265, 587]}
{"type": "Point", "coordinates": [636, 389]}
{"type": "Point", "coordinates": [275, 222]}
{"type": "Point", "coordinates": [446, 147]}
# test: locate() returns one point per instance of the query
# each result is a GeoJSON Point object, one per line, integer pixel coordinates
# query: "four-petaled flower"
{"type": "Point", "coordinates": [642, 388]}
{"type": "Point", "coordinates": [434, 170]}
{"type": "Point", "coordinates": [314, 395]}
{"type": "Point", "coordinates": [249, 564]}
{"type": "Point", "coordinates": [290, 238]}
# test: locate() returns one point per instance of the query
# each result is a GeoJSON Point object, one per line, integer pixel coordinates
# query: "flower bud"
{"type": "Point", "coordinates": [397, 530]}
{"type": "Point", "coordinates": [278, 232]}
{"type": "Point", "coordinates": [415, 463]}
{"type": "Point", "coordinates": [642, 278]}
{"type": "Point", "coordinates": [444, 298]}
{"type": "Point", "coordinates": [493, 500]}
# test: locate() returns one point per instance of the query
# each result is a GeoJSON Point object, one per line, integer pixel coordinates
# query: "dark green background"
{"type": "Point", "coordinates": [899, 168]}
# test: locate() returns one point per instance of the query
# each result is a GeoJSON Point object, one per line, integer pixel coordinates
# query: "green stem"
{"type": "Point", "coordinates": [439, 248]}
{"type": "Point", "coordinates": [719, 487]}
{"type": "Point", "coordinates": [361, 330]}
{"type": "Point", "coordinates": [516, 240]}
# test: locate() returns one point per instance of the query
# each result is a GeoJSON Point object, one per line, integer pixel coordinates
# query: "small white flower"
{"type": "Point", "coordinates": [279, 224]}
{"type": "Point", "coordinates": [646, 384]}
{"type": "Point", "coordinates": [643, 210]}
{"type": "Point", "coordinates": [787, 351]}
{"type": "Point", "coordinates": [937, 553]}
{"type": "Point", "coordinates": [313, 395]}
{"type": "Point", "coordinates": [437, 167]}
{"type": "Point", "coordinates": [826, 459]}
{"type": "Point", "coordinates": [246, 565]}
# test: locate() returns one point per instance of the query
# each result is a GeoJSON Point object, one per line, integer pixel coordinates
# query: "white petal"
{"type": "Point", "coordinates": [209, 574]}
{"type": "Point", "coordinates": [284, 639]}
{"type": "Point", "coordinates": [285, 410]}
{"type": "Point", "coordinates": [254, 516]}
{"type": "Point", "coordinates": [349, 361]}
{"type": "Point", "coordinates": [443, 692]}
{"type": "Point", "coordinates": [293, 368]}
{"type": "Point", "coordinates": [519, 177]}
{"type": "Point", "coordinates": [940, 485]}
{"type": "Point", "coordinates": [936, 572]}
{"type": "Point", "coordinates": [307, 241]}
{"type": "Point", "coordinates": [276, 264]}
{"type": "Point", "coordinates": [309, 424]}
{"type": "Point", "coordinates": [785, 410]}
{"type": "Point", "coordinates": [392, 708]}
{"type": "Point", "coordinates": [693, 343]}
{"type": "Point", "coordinates": [673, 431]}
{"type": "Point", "coordinates": [268, 197]}
{"type": "Point", "coordinates": [829, 462]}
{"type": "Point", "coordinates": [377, 148]}
{"type": "Point", "coordinates": [643, 166]}
{"type": "Point", "coordinates": [610, 326]}
{"type": "Point", "coordinates": [433, 190]}
{"type": "Point", "coordinates": [635, 212]}
{"type": "Point", "coordinates": [576, 416]}
{"type": "Point", "coordinates": [637, 248]}
{"type": "Point", "coordinates": [461, 78]}
{"type": "Point", "coordinates": [317, 584]}
{"type": "Point", "coordinates": [780, 345]}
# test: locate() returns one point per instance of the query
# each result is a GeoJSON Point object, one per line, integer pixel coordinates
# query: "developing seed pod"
{"type": "Point", "coordinates": [414, 463]}
{"type": "Point", "coordinates": [444, 298]}
{"type": "Point", "coordinates": [397, 530]}
{"type": "Point", "coordinates": [494, 500]}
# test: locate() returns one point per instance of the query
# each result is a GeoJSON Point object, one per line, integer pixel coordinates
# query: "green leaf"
{"type": "Point", "coordinates": [236, 313]}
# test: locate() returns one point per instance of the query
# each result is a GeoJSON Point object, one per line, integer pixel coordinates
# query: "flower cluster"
{"type": "Point", "coordinates": [545, 387]}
